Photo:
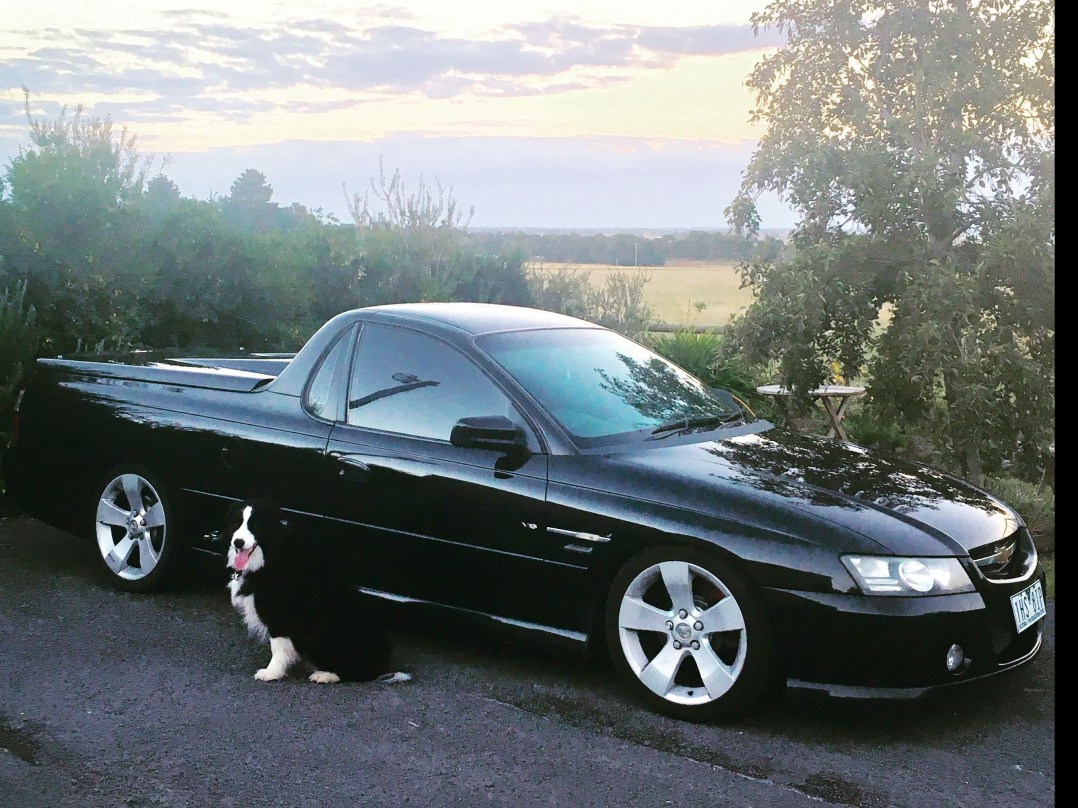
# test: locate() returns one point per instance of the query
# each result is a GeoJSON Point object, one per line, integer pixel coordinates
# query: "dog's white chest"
{"type": "Point", "coordinates": [245, 605]}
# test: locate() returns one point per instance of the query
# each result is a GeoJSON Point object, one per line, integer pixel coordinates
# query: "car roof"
{"type": "Point", "coordinates": [473, 318]}
{"type": "Point", "coordinates": [457, 322]}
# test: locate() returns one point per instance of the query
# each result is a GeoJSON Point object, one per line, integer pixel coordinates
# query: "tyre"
{"type": "Point", "coordinates": [134, 530]}
{"type": "Point", "coordinates": [689, 634]}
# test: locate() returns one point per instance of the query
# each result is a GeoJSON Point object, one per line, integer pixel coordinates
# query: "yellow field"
{"type": "Point", "coordinates": [697, 294]}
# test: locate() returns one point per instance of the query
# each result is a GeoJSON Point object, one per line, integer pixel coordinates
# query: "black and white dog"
{"type": "Point", "coordinates": [306, 612]}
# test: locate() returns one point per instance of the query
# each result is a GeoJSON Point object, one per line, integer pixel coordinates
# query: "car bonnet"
{"type": "Point", "coordinates": [904, 506]}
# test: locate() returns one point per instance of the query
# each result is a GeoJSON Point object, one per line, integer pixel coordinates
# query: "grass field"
{"type": "Point", "coordinates": [676, 290]}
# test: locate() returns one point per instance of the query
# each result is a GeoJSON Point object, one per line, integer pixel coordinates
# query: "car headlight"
{"type": "Point", "coordinates": [893, 575]}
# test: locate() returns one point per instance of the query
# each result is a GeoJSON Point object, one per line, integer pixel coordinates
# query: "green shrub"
{"type": "Point", "coordinates": [619, 303]}
{"type": "Point", "coordinates": [867, 426]}
{"type": "Point", "coordinates": [1035, 503]}
{"type": "Point", "coordinates": [702, 354]}
{"type": "Point", "coordinates": [18, 342]}
{"type": "Point", "coordinates": [696, 352]}
{"type": "Point", "coordinates": [564, 290]}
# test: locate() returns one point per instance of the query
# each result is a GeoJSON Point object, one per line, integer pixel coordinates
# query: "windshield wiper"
{"type": "Point", "coordinates": [683, 424]}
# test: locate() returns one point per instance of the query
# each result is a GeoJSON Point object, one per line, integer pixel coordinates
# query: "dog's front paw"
{"type": "Point", "coordinates": [266, 675]}
{"type": "Point", "coordinates": [324, 678]}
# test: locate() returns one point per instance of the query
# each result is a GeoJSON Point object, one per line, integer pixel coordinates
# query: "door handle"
{"type": "Point", "coordinates": [349, 468]}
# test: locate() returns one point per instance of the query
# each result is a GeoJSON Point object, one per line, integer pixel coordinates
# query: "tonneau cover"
{"type": "Point", "coordinates": [163, 373]}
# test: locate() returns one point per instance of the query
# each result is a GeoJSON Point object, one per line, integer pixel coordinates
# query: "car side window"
{"type": "Point", "coordinates": [417, 385]}
{"type": "Point", "coordinates": [321, 400]}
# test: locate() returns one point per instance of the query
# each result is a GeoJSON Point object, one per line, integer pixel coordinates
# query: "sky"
{"type": "Point", "coordinates": [533, 113]}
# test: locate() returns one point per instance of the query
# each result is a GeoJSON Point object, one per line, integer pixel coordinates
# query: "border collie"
{"type": "Point", "coordinates": [306, 612]}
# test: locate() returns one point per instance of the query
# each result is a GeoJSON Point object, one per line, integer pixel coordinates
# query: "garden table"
{"type": "Point", "coordinates": [835, 398]}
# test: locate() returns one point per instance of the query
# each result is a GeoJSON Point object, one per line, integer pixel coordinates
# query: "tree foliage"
{"type": "Point", "coordinates": [72, 234]}
{"type": "Point", "coordinates": [413, 235]}
{"type": "Point", "coordinates": [916, 141]}
{"type": "Point", "coordinates": [617, 303]}
{"type": "Point", "coordinates": [249, 202]}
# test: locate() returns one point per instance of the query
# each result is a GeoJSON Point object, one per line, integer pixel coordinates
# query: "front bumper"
{"type": "Point", "coordinates": [857, 646]}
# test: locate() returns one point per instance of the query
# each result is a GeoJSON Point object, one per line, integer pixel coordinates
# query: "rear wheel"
{"type": "Point", "coordinates": [134, 530]}
{"type": "Point", "coordinates": [689, 634]}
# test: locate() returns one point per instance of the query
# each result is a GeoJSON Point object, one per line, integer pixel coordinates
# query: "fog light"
{"type": "Point", "coordinates": [955, 658]}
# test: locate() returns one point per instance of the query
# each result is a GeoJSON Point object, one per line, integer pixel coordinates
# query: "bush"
{"type": "Point", "coordinates": [703, 354]}
{"type": "Point", "coordinates": [868, 426]}
{"type": "Point", "coordinates": [619, 302]}
{"type": "Point", "coordinates": [697, 352]}
{"type": "Point", "coordinates": [1035, 503]}
{"type": "Point", "coordinates": [563, 290]}
{"type": "Point", "coordinates": [18, 342]}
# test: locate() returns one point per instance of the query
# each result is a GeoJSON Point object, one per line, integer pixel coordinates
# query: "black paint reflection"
{"type": "Point", "coordinates": [834, 466]}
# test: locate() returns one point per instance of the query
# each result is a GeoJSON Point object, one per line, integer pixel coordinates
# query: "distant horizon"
{"type": "Point", "coordinates": [644, 232]}
{"type": "Point", "coordinates": [594, 183]}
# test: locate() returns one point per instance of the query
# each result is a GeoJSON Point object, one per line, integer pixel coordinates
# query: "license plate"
{"type": "Point", "coordinates": [1028, 606]}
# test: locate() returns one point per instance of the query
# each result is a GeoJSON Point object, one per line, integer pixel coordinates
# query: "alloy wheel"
{"type": "Point", "coordinates": [682, 633]}
{"type": "Point", "coordinates": [131, 527]}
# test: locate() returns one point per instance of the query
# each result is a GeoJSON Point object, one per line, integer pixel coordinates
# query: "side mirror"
{"type": "Point", "coordinates": [488, 432]}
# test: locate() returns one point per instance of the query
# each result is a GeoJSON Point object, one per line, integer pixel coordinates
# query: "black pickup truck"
{"type": "Point", "coordinates": [540, 473]}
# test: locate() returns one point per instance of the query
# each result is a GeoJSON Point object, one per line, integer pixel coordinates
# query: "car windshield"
{"type": "Point", "coordinates": [604, 388]}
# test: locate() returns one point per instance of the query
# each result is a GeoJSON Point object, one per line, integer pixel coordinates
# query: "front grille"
{"type": "Point", "coordinates": [1006, 559]}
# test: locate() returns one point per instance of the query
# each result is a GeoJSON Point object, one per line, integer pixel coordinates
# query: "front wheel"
{"type": "Point", "coordinates": [133, 528]}
{"type": "Point", "coordinates": [690, 634]}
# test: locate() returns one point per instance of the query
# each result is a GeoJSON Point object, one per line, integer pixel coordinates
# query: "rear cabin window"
{"type": "Point", "coordinates": [320, 398]}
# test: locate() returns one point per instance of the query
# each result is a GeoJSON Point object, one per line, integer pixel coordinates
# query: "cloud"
{"type": "Point", "coordinates": [190, 77]}
{"type": "Point", "coordinates": [198, 57]}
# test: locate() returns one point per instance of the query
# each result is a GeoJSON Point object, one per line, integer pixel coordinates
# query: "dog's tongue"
{"type": "Point", "coordinates": [240, 561]}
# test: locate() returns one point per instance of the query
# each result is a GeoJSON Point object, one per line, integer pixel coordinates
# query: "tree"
{"type": "Point", "coordinates": [161, 200]}
{"type": "Point", "coordinates": [916, 141]}
{"type": "Point", "coordinates": [248, 203]}
{"type": "Point", "coordinates": [223, 286]}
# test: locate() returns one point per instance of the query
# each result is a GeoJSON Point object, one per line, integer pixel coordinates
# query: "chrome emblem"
{"type": "Point", "coordinates": [1001, 555]}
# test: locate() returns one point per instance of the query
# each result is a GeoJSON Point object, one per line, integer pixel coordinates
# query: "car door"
{"type": "Point", "coordinates": [428, 520]}
{"type": "Point", "coordinates": [273, 448]}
